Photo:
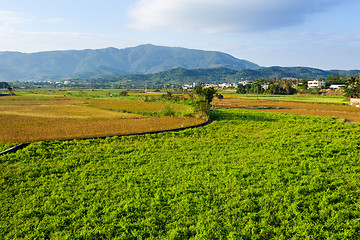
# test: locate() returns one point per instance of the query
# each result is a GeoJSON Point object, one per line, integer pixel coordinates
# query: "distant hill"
{"type": "Point", "coordinates": [283, 72]}
{"type": "Point", "coordinates": [181, 76]}
{"type": "Point", "coordinates": [143, 59]}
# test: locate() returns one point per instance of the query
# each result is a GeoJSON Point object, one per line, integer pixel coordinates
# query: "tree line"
{"type": "Point", "coordinates": [289, 86]}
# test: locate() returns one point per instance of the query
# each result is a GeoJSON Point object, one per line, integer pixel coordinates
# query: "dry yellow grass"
{"type": "Point", "coordinates": [130, 106]}
{"type": "Point", "coordinates": [340, 111]}
{"type": "Point", "coordinates": [64, 111]}
{"type": "Point", "coordinates": [15, 128]}
{"type": "Point", "coordinates": [28, 119]}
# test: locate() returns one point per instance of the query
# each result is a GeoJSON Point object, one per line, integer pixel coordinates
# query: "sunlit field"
{"type": "Point", "coordinates": [345, 112]}
{"type": "Point", "coordinates": [247, 175]}
{"type": "Point", "coordinates": [52, 115]}
{"type": "Point", "coordinates": [305, 98]}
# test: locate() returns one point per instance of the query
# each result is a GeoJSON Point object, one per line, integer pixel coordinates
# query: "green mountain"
{"type": "Point", "coordinates": [143, 59]}
{"type": "Point", "coordinates": [283, 72]}
{"type": "Point", "coordinates": [179, 76]}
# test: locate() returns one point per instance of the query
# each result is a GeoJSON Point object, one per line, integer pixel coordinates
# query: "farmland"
{"type": "Point", "coordinates": [302, 98]}
{"type": "Point", "coordinates": [55, 115]}
{"type": "Point", "coordinates": [247, 175]}
{"type": "Point", "coordinates": [294, 105]}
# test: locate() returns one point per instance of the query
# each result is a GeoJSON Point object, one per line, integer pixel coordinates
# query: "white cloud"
{"type": "Point", "coordinates": [8, 21]}
{"type": "Point", "coordinates": [225, 15]}
{"type": "Point", "coordinates": [12, 18]}
{"type": "Point", "coordinates": [48, 41]}
{"type": "Point", "coordinates": [12, 38]}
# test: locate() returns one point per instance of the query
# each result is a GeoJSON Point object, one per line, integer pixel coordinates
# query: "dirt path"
{"type": "Point", "coordinates": [348, 113]}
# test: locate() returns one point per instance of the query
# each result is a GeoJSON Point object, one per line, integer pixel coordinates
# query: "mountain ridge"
{"type": "Point", "coordinates": [142, 59]}
{"type": "Point", "coordinates": [180, 76]}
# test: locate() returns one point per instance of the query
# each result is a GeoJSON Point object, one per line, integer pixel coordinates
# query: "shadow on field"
{"type": "Point", "coordinates": [219, 115]}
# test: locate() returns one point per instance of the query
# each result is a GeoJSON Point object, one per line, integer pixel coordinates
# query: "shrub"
{"type": "Point", "coordinates": [168, 111]}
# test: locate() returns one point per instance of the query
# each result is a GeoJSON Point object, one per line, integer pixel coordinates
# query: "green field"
{"type": "Point", "coordinates": [5, 146]}
{"type": "Point", "coordinates": [133, 94]}
{"type": "Point", "coordinates": [247, 175]}
{"type": "Point", "coordinates": [305, 98]}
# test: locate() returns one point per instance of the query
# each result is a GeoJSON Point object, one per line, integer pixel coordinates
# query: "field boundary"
{"type": "Point", "coordinates": [23, 145]}
{"type": "Point", "coordinates": [14, 149]}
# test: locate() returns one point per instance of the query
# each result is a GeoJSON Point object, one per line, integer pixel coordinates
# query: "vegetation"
{"type": "Point", "coordinates": [180, 76]}
{"type": "Point", "coordinates": [305, 98]}
{"type": "Point", "coordinates": [352, 87]}
{"type": "Point", "coordinates": [205, 93]}
{"type": "Point", "coordinates": [4, 85]}
{"type": "Point", "coordinates": [5, 146]}
{"type": "Point", "coordinates": [45, 115]}
{"type": "Point", "coordinates": [345, 113]}
{"type": "Point", "coordinates": [247, 175]}
{"type": "Point", "coordinates": [110, 62]}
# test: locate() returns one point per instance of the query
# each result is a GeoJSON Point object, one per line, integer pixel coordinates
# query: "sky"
{"type": "Point", "coordinates": [312, 33]}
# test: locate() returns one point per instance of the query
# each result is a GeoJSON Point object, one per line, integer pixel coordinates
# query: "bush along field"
{"type": "Point", "coordinates": [247, 175]}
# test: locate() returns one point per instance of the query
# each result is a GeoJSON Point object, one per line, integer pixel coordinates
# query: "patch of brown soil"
{"type": "Point", "coordinates": [348, 113]}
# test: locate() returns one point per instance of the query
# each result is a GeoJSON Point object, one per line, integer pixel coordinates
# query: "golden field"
{"type": "Point", "coordinates": [29, 118]}
{"type": "Point", "coordinates": [129, 106]}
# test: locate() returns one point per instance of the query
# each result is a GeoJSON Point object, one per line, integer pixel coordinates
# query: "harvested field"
{"type": "Point", "coordinates": [29, 118]}
{"type": "Point", "coordinates": [29, 129]}
{"type": "Point", "coordinates": [129, 106]}
{"type": "Point", "coordinates": [348, 113]}
{"type": "Point", "coordinates": [304, 98]}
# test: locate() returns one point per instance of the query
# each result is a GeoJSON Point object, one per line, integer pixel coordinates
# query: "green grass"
{"type": "Point", "coordinates": [305, 98]}
{"type": "Point", "coordinates": [83, 93]}
{"type": "Point", "coordinates": [6, 146]}
{"type": "Point", "coordinates": [247, 175]}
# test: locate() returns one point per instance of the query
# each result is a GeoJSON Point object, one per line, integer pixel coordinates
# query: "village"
{"type": "Point", "coordinates": [310, 84]}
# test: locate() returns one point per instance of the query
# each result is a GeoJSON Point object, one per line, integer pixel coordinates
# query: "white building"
{"type": "Point", "coordinates": [336, 86]}
{"type": "Point", "coordinates": [316, 84]}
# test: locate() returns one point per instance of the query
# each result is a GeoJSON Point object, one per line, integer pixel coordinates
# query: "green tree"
{"type": "Point", "coordinates": [4, 85]}
{"type": "Point", "coordinates": [275, 89]}
{"type": "Point", "coordinates": [241, 89]}
{"type": "Point", "coordinates": [256, 88]}
{"type": "Point", "coordinates": [167, 95]}
{"type": "Point", "coordinates": [10, 90]}
{"type": "Point", "coordinates": [247, 88]}
{"type": "Point", "coordinates": [303, 84]}
{"type": "Point", "coordinates": [206, 94]}
{"type": "Point", "coordinates": [287, 86]}
{"type": "Point", "coordinates": [352, 87]}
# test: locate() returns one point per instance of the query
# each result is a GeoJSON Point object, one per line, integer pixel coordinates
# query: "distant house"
{"type": "Point", "coordinates": [354, 102]}
{"type": "Point", "coordinates": [316, 84]}
{"type": "Point", "coordinates": [245, 82]}
{"type": "Point", "coordinates": [336, 86]}
{"type": "Point", "coordinates": [227, 85]}
{"type": "Point", "coordinates": [265, 86]}
{"type": "Point", "coordinates": [189, 86]}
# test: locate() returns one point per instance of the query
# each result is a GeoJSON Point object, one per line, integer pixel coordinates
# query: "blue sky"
{"type": "Point", "coordinates": [314, 33]}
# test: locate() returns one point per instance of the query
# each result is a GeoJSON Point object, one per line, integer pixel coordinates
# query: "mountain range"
{"type": "Point", "coordinates": [143, 59]}
{"type": "Point", "coordinates": [180, 76]}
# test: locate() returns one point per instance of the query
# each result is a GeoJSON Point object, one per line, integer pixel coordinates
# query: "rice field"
{"type": "Point", "coordinates": [304, 98]}
{"type": "Point", "coordinates": [344, 112]}
{"type": "Point", "coordinates": [129, 106]}
{"type": "Point", "coordinates": [38, 117]}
